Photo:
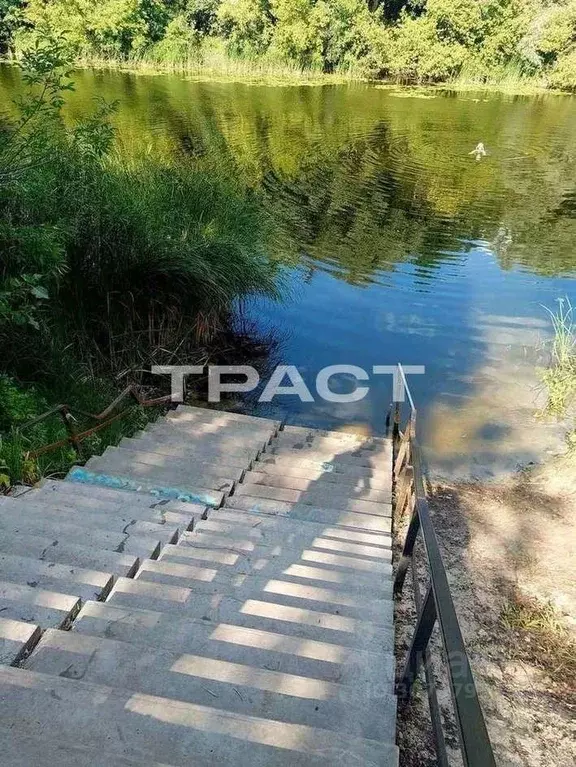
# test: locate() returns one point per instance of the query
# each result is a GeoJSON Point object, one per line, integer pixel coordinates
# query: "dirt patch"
{"type": "Point", "coordinates": [509, 551]}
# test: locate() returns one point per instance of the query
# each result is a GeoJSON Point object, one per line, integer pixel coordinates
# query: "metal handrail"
{"type": "Point", "coordinates": [437, 606]}
{"type": "Point", "coordinates": [69, 414]}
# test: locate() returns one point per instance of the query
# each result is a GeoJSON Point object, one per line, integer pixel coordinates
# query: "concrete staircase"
{"type": "Point", "coordinates": [215, 591]}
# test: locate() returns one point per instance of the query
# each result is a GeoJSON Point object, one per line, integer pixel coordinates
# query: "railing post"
{"type": "Point", "coordinates": [396, 427]}
{"type": "Point", "coordinates": [424, 627]}
{"type": "Point", "coordinates": [409, 543]}
{"type": "Point", "coordinates": [68, 419]}
{"type": "Point", "coordinates": [403, 491]}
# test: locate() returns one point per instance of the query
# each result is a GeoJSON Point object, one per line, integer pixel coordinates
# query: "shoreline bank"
{"type": "Point", "coordinates": [516, 604]}
{"type": "Point", "coordinates": [284, 75]}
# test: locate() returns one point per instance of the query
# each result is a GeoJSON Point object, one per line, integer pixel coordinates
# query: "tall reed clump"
{"type": "Point", "coordinates": [560, 376]}
{"type": "Point", "coordinates": [109, 265]}
{"type": "Point", "coordinates": [510, 77]}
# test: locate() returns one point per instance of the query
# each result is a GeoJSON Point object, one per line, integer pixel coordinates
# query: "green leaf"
{"type": "Point", "coordinates": [40, 292]}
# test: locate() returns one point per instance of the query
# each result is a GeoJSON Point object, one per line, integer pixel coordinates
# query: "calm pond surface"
{"type": "Point", "coordinates": [397, 244]}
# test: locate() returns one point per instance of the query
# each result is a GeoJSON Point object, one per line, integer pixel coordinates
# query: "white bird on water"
{"type": "Point", "coordinates": [479, 151]}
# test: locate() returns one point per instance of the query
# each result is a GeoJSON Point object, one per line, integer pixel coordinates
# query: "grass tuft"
{"type": "Point", "coordinates": [540, 637]}
{"type": "Point", "coordinates": [560, 377]}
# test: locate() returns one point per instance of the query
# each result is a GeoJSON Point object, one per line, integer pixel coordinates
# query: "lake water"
{"type": "Point", "coordinates": [397, 244]}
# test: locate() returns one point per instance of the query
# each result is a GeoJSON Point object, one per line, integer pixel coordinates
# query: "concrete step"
{"type": "Point", "coordinates": [46, 706]}
{"type": "Point", "coordinates": [276, 528]}
{"type": "Point", "coordinates": [369, 460]}
{"type": "Point", "coordinates": [112, 496]}
{"type": "Point", "coordinates": [217, 472]}
{"type": "Point", "coordinates": [88, 518]}
{"type": "Point", "coordinates": [143, 546]}
{"type": "Point", "coordinates": [328, 495]}
{"type": "Point", "coordinates": [290, 466]}
{"type": "Point", "coordinates": [210, 485]}
{"type": "Point", "coordinates": [31, 605]}
{"type": "Point", "coordinates": [213, 414]}
{"type": "Point", "coordinates": [331, 447]}
{"type": "Point", "coordinates": [364, 488]}
{"type": "Point", "coordinates": [49, 576]}
{"type": "Point", "coordinates": [195, 426]}
{"type": "Point", "coordinates": [331, 440]}
{"type": "Point", "coordinates": [227, 537]}
{"type": "Point", "coordinates": [24, 751]}
{"type": "Point", "coordinates": [229, 438]}
{"type": "Point", "coordinates": [307, 431]}
{"type": "Point", "coordinates": [358, 706]}
{"type": "Point", "coordinates": [53, 549]}
{"type": "Point", "coordinates": [217, 449]}
{"type": "Point", "coordinates": [184, 451]}
{"type": "Point", "coordinates": [379, 523]}
{"type": "Point", "coordinates": [288, 569]}
{"type": "Point", "coordinates": [331, 654]}
{"type": "Point", "coordinates": [159, 514]}
{"type": "Point", "coordinates": [195, 602]}
{"type": "Point", "coordinates": [273, 506]}
{"type": "Point", "coordinates": [140, 484]}
{"type": "Point", "coordinates": [266, 557]}
{"type": "Point", "coordinates": [16, 640]}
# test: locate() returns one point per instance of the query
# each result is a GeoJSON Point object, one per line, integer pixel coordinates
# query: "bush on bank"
{"type": "Point", "coordinates": [419, 40]}
{"type": "Point", "coordinates": [108, 265]}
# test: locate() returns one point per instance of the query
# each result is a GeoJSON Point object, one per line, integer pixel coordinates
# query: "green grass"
{"type": "Point", "coordinates": [509, 78]}
{"type": "Point", "coordinates": [216, 64]}
{"type": "Point", "coordinates": [110, 265]}
{"type": "Point", "coordinates": [21, 403]}
{"type": "Point", "coordinates": [559, 378]}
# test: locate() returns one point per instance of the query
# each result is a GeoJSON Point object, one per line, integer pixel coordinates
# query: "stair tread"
{"type": "Point", "coordinates": [35, 605]}
{"type": "Point", "coordinates": [332, 496]}
{"type": "Point", "coordinates": [331, 447]}
{"type": "Point", "coordinates": [187, 451]}
{"type": "Point", "coordinates": [379, 523]}
{"type": "Point", "coordinates": [79, 582]}
{"type": "Point", "coordinates": [299, 467]}
{"type": "Point", "coordinates": [211, 485]}
{"type": "Point", "coordinates": [320, 639]}
{"type": "Point", "coordinates": [158, 489]}
{"type": "Point", "coordinates": [16, 637]}
{"type": "Point", "coordinates": [117, 496]}
{"type": "Point", "coordinates": [235, 439]}
{"type": "Point", "coordinates": [249, 434]}
{"type": "Point", "coordinates": [192, 465]}
{"type": "Point", "coordinates": [88, 518]}
{"type": "Point", "coordinates": [20, 750]}
{"type": "Point", "coordinates": [51, 549]}
{"type": "Point", "coordinates": [354, 704]}
{"type": "Point", "coordinates": [293, 430]}
{"type": "Point", "coordinates": [336, 456]}
{"type": "Point", "coordinates": [261, 556]}
{"type": "Point", "coordinates": [191, 574]}
{"type": "Point", "coordinates": [40, 704]}
{"type": "Point", "coordinates": [213, 413]}
{"type": "Point", "coordinates": [214, 537]}
{"type": "Point", "coordinates": [255, 523]}
{"type": "Point", "coordinates": [139, 545]}
{"type": "Point", "coordinates": [195, 601]}
{"type": "Point", "coordinates": [325, 481]}
{"type": "Point", "coordinates": [160, 515]}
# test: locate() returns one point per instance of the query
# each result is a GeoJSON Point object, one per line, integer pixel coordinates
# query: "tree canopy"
{"type": "Point", "coordinates": [408, 40]}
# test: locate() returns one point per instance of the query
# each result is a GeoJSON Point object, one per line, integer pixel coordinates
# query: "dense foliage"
{"type": "Point", "coordinates": [107, 264]}
{"type": "Point", "coordinates": [414, 40]}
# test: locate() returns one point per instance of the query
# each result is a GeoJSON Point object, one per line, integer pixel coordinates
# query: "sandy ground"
{"type": "Point", "coordinates": [502, 542]}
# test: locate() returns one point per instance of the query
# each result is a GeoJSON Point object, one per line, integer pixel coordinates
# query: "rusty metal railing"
{"type": "Point", "coordinates": [69, 416]}
{"type": "Point", "coordinates": [436, 607]}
